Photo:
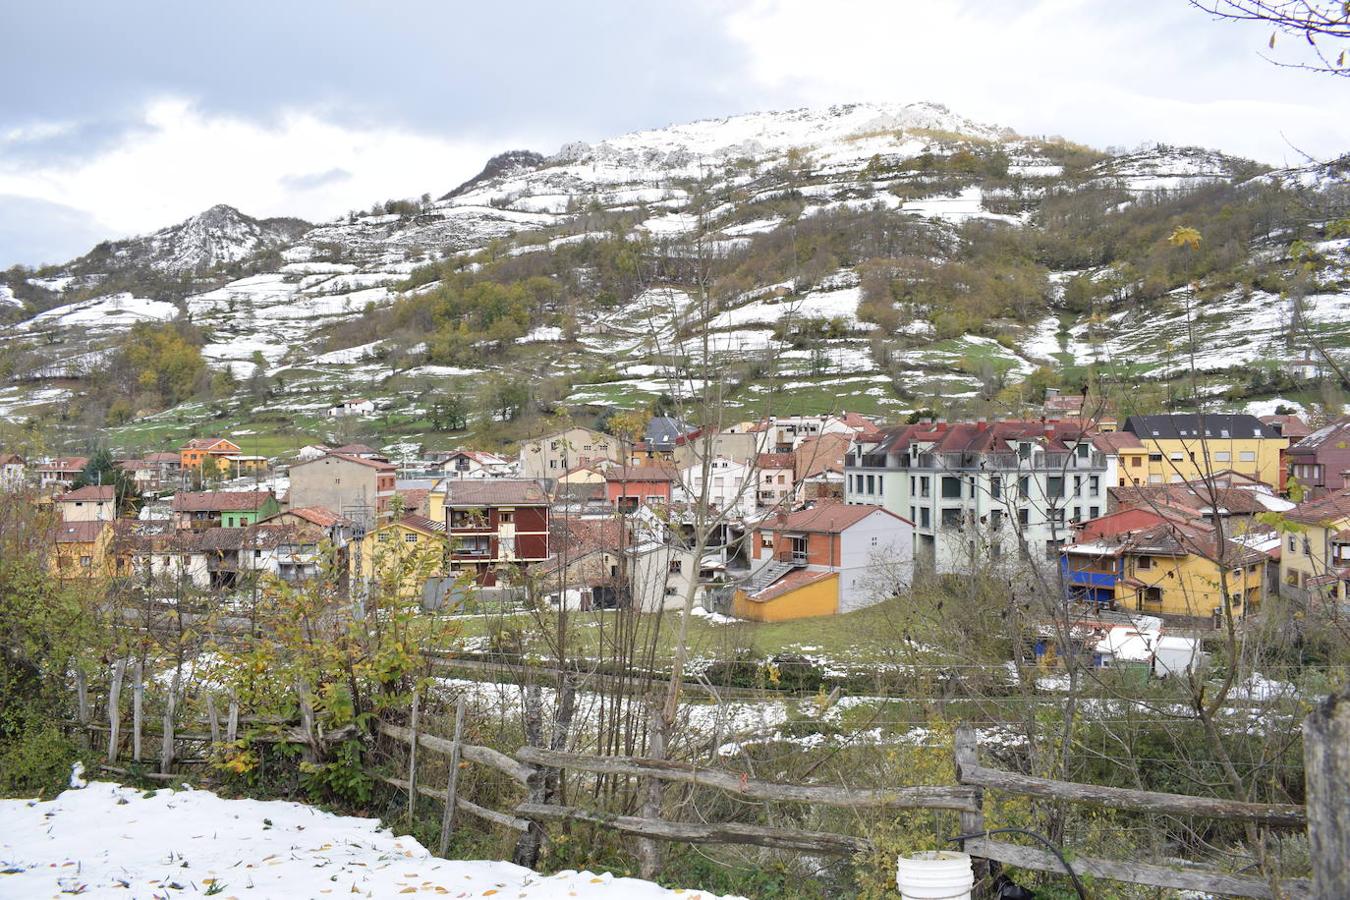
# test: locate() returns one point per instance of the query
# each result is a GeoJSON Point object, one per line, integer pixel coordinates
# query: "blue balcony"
{"type": "Point", "coordinates": [1092, 579]}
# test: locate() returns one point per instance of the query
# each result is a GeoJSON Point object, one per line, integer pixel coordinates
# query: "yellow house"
{"type": "Point", "coordinates": [1171, 570]}
{"type": "Point", "coordinates": [81, 550]}
{"type": "Point", "coordinates": [1315, 551]}
{"type": "Point", "coordinates": [414, 548]}
{"type": "Point", "coordinates": [799, 595]}
{"type": "Point", "coordinates": [1190, 446]}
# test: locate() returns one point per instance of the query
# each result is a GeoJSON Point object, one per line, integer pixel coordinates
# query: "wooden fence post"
{"type": "Point", "coordinates": [114, 698]}
{"type": "Point", "coordinates": [213, 717]}
{"type": "Point", "coordinates": [412, 755]}
{"type": "Point", "coordinates": [166, 744]}
{"type": "Point", "coordinates": [232, 720]}
{"type": "Point", "coordinates": [1326, 762]}
{"type": "Point", "coordinates": [82, 706]}
{"type": "Point", "coordinates": [648, 850]}
{"type": "Point", "coordinates": [527, 847]}
{"type": "Point", "coordinates": [137, 708]}
{"type": "Point", "coordinates": [967, 759]}
{"type": "Point", "coordinates": [452, 783]}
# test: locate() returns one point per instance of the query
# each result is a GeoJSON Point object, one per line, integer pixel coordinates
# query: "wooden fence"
{"type": "Point", "coordinates": [533, 768]}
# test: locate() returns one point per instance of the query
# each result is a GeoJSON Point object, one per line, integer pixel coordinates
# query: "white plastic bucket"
{"type": "Point", "coordinates": [935, 875]}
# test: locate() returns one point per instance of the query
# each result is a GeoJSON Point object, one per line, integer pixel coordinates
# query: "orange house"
{"type": "Point", "coordinates": [192, 454]}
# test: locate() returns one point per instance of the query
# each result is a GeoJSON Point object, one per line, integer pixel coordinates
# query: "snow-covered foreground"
{"type": "Point", "coordinates": [106, 840]}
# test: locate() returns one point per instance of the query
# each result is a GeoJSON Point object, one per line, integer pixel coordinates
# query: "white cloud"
{"type": "Point", "coordinates": [1105, 74]}
{"type": "Point", "coordinates": [179, 162]}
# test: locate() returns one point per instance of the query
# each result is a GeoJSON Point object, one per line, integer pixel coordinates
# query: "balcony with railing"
{"type": "Point", "coordinates": [1048, 461]}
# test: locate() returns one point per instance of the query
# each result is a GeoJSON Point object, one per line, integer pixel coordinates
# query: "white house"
{"type": "Point", "coordinates": [477, 464]}
{"type": "Point", "coordinates": [355, 406]}
{"type": "Point", "coordinates": [731, 486]}
{"type": "Point", "coordinates": [13, 471]}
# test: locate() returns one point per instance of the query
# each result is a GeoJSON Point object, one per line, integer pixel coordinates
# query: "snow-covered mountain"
{"type": "Point", "coordinates": [309, 296]}
{"type": "Point", "coordinates": [221, 234]}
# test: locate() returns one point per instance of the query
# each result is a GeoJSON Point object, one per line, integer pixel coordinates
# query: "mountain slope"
{"type": "Point", "coordinates": [882, 257]}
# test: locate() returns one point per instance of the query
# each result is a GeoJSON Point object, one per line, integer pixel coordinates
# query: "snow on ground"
{"type": "Point", "coordinates": [347, 354]}
{"type": "Point", "coordinates": [1044, 341]}
{"type": "Point", "coordinates": [839, 304]}
{"type": "Point", "coordinates": [7, 297]}
{"type": "Point", "coordinates": [968, 204]}
{"type": "Point", "coordinates": [106, 840]}
{"type": "Point", "coordinates": [542, 334]}
{"type": "Point", "coordinates": [1268, 407]}
{"type": "Point", "coordinates": [113, 311]}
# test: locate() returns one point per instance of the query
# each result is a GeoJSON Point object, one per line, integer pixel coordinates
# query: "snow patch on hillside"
{"type": "Point", "coordinates": [106, 840]}
{"type": "Point", "coordinates": [115, 311]}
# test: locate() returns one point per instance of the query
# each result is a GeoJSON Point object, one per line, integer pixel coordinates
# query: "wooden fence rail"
{"type": "Point", "coordinates": [535, 767]}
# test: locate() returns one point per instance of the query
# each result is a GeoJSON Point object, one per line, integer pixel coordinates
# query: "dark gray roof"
{"type": "Point", "coordinates": [1187, 425]}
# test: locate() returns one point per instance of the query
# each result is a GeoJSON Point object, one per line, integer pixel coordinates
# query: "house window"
{"type": "Point", "coordinates": [1083, 451]}
{"type": "Point", "coordinates": [1057, 516]}
{"type": "Point", "coordinates": [1247, 456]}
{"type": "Point", "coordinates": [1293, 544]}
{"type": "Point", "coordinates": [1052, 548]}
{"type": "Point", "coordinates": [782, 479]}
{"type": "Point", "coordinates": [1094, 485]}
{"type": "Point", "coordinates": [766, 538]}
{"type": "Point", "coordinates": [1077, 514]}
{"type": "Point", "coordinates": [925, 518]}
{"type": "Point", "coordinates": [951, 517]}
{"type": "Point", "coordinates": [1024, 487]}
{"type": "Point", "coordinates": [1023, 516]}
{"type": "Point", "coordinates": [871, 484]}
{"type": "Point", "coordinates": [1176, 457]}
{"type": "Point", "coordinates": [995, 519]}
{"type": "Point", "coordinates": [1054, 486]}
{"type": "Point", "coordinates": [676, 566]}
{"type": "Point", "coordinates": [506, 516]}
{"type": "Point", "coordinates": [1094, 512]}
{"type": "Point", "coordinates": [951, 487]}
{"type": "Point", "coordinates": [996, 487]}
{"type": "Point", "coordinates": [382, 537]}
{"type": "Point", "coordinates": [1077, 485]}
{"type": "Point", "coordinates": [923, 486]}
{"type": "Point", "coordinates": [553, 464]}
{"type": "Point", "coordinates": [1144, 562]}
{"type": "Point", "coordinates": [1155, 457]}
{"type": "Point", "coordinates": [1222, 456]}
{"type": "Point", "coordinates": [1136, 462]}
{"type": "Point", "coordinates": [86, 561]}
{"type": "Point", "coordinates": [410, 537]}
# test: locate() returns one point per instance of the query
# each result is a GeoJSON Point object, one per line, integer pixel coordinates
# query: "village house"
{"type": "Point", "coordinates": [1178, 451]}
{"type": "Point", "coordinates": [1165, 568]}
{"type": "Point", "coordinates": [13, 471]}
{"type": "Point", "coordinates": [1288, 426]}
{"type": "Point", "coordinates": [818, 467]}
{"type": "Point", "coordinates": [581, 485]}
{"type": "Point", "coordinates": [553, 454]}
{"type": "Point", "coordinates": [775, 474]}
{"type": "Point", "coordinates": [91, 503]}
{"type": "Point", "coordinates": [196, 451]}
{"type": "Point", "coordinates": [61, 471]}
{"type": "Point", "coordinates": [604, 564]}
{"type": "Point", "coordinates": [477, 464]}
{"type": "Point", "coordinates": [81, 550]}
{"type": "Point", "coordinates": [628, 487]}
{"type": "Point", "coordinates": [730, 487]}
{"type": "Point", "coordinates": [353, 406]}
{"type": "Point", "coordinates": [355, 487]}
{"type": "Point", "coordinates": [1130, 453]}
{"type": "Point", "coordinates": [662, 436]}
{"type": "Point", "coordinates": [337, 530]}
{"type": "Point", "coordinates": [1315, 558]}
{"type": "Point", "coordinates": [495, 525]}
{"type": "Point", "coordinates": [1320, 462]}
{"type": "Point", "coordinates": [222, 509]}
{"type": "Point", "coordinates": [412, 548]}
{"type": "Point", "coordinates": [830, 558]}
{"type": "Point", "coordinates": [979, 492]}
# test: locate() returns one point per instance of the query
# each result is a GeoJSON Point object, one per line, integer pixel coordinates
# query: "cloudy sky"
{"type": "Point", "coordinates": [120, 118]}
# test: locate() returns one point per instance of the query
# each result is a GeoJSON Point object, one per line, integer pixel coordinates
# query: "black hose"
{"type": "Point", "coordinates": [1073, 876]}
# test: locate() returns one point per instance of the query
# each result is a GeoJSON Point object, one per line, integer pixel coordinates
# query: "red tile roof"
{"type": "Point", "coordinates": [790, 582]}
{"type": "Point", "coordinates": [826, 517]}
{"type": "Point", "coordinates": [79, 532]}
{"type": "Point", "coordinates": [494, 492]}
{"type": "Point", "coordinates": [317, 515]}
{"type": "Point", "coordinates": [215, 501]}
{"type": "Point", "coordinates": [90, 492]}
